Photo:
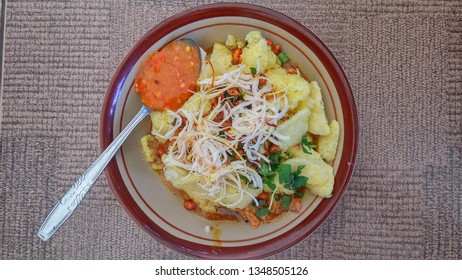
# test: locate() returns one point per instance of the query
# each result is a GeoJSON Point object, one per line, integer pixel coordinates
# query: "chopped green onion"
{"type": "Point", "coordinates": [275, 157]}
{"type": "Point", "coordinates": [265, 170]}
{"type": "Point", "coordinates": [285, 174]}
{"type": "Point", "coordinates": [283, 57]}
{"type": "Point", "coordinates": [307, 147]}
{"type": "Point", "coordinates": [299, 170]}
{"type": "Point", "coordinates": [243, 178]}
{"type": "Point", "coordinates": [299, 181]}
{"type": "Point", "coordinates": [299, 193]}
{"type": "Point", "coordinates": [285, 202]}
{"type": "Point", "coordinates": [269, 183]}
{"type": "Point", "coordinates": [232, 156]}
{"type": "Point", "coordinates": [262, 211]}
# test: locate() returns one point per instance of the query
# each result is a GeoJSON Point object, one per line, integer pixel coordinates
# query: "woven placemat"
{"type": "Point", "coordinates": [404, 64]}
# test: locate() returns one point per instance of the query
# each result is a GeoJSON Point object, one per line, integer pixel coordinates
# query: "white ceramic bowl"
{"type": "Point", "coordinates": [157, 210]}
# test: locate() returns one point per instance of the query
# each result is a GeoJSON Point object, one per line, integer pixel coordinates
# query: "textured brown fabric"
{"type": "Point", "coordinates": [403, 59]}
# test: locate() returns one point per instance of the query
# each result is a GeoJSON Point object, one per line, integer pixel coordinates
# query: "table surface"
{"type": "Point", "coordinates": [404, 63]}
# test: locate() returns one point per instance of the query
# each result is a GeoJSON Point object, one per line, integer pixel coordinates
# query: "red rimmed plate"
{"type": "Point", "coordinates": [141, 192]}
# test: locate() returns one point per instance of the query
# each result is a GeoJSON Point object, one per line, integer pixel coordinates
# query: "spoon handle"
{"type": "Point", "coordinates": [69, 202]}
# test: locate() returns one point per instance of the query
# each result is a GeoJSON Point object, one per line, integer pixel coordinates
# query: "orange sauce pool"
{"type": "Point", "coordinates": [167, 77]}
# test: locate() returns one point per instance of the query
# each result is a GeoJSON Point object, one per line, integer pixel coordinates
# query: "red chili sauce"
{"type": "Point", "coordinates": [167, 77]}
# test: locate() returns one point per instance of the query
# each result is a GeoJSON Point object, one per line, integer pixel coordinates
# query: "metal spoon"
{"type": "Point", "coordinates": [69, 202]}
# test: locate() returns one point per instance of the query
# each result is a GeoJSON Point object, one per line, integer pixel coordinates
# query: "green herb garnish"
{"type": "Point", "coordinates": [291, 180]}
{"type": "Point", "coordinates": [265, 170]}
{"type": "Point", "coordinates": [307, 146]}
{"type": "Point", "coordinates": [299, 193]}
{"type": "Point", "coordinates": [253, 70]}
{"type": "Point", "coordinates": [299, 170]}
{"type": "Point", "coordinates": [262, 211]}
{"type": "Point", "coordinates": [285, 175]}
{"type": "Point", "coordinates": [275, 157]}
{"type": "Point", "coordinates": [269, 183]}
{"type": "Point", "coordinates": [286, 202]}
{"type": "Point", "coordinates": [275, 160]}
{"type": "Point", "coordinates": [299, 181]}
{"type": "Point", "coordinates": [283, 57]}
{"type": "Point", "coordinates": [243, 178]}
{"type": "Point", "coordinates": [232, 156]}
